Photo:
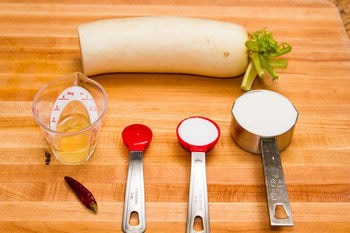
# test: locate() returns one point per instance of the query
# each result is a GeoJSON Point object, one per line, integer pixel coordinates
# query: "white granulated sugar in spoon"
{"type": "Point", "coordinates": [198, 131]}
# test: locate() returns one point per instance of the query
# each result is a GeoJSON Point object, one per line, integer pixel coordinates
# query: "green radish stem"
{"type": "Point", "coordinates": [249, 77]}
{"type": "Point", "coordinates": [263, 50]}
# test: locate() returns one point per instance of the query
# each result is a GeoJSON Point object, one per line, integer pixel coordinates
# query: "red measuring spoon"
{"type": "Point", "coordinates": [198, 135]}
{"type": "Point", "coordinates": [136, 138]}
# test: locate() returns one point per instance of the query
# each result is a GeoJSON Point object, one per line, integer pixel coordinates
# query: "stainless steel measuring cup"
{"type": "Point", "coordinates": [263, 123]}
{"type": "Point", "coordinates": [136, 137]}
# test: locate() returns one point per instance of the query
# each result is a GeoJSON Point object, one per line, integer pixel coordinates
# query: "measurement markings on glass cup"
{"type": "Point", "coordinates": [74, 93]}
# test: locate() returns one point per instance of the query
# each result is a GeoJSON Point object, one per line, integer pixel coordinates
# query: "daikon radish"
{"type": "Point", "coordinates": [164, 44]}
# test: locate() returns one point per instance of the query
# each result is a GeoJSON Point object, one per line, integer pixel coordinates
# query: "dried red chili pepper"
{"type": "Point", "coordinates": [84, 195]}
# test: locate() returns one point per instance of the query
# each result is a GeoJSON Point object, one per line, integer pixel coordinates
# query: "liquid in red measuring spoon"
{"type": "Point", "coordinates": [198, 135]}
{"type": "Point", "coordinates": [136, 138]}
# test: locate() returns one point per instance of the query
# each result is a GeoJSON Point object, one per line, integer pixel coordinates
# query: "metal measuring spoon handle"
{"type": "Point", "coordinates": [198, 195]}
{"type": "Point", "coordinates": [134, 194]}
{"type": "Point", "coordinates": [276, 189]}
{"type": "Point", "coordinates": [198, 144]}
{"type": "Point", "coordinates": [136, 137]}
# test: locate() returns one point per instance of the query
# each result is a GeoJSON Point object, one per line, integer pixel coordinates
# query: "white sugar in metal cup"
{"type": "Point", "coordinates": [263, 123]}
{"type": "Point", "coordinates": [265, 113]}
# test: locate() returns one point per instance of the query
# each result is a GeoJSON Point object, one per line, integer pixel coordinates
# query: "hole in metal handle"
{"type": "Point", "coordinates": [280, 212]}
{"type": "Point", "coordinates": [198, 224]}
{"type": "Point", "coordinates": [134, 219]}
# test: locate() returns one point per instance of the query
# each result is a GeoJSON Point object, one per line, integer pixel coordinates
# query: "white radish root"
{"type": "Point", "coordinates": [164, 44]}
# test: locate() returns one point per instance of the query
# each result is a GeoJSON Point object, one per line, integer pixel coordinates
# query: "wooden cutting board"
{"type": "Point", "coordinates": [39, 43]}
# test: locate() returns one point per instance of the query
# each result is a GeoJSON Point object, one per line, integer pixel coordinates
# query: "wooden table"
{"type": "Point", "coordinates": [39, 43]}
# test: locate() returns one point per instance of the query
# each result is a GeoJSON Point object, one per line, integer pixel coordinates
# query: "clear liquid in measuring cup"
{"type": "Point", "coordinates": [74, 117]}
{"type": "Point", "coordinates": [75, 148]}
{"type": "Point", "coordinates": [69, 111]}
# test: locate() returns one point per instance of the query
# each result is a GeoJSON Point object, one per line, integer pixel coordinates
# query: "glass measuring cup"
{"type": "Point", "coordinates": [198, 135]}
{"type": "Point", "coordinates": [69, 111]}
{"type": "Point", "coordinates": [136, 138]}
{"type": "Point", "coordinates": [263, 123]}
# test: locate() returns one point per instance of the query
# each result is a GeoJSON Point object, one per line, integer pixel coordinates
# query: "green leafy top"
{"type": "Point", "coordinates": [263, 49]}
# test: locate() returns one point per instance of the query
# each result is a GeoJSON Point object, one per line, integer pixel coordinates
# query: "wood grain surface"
{"type": "Point", "coordinates": [39, 43]}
